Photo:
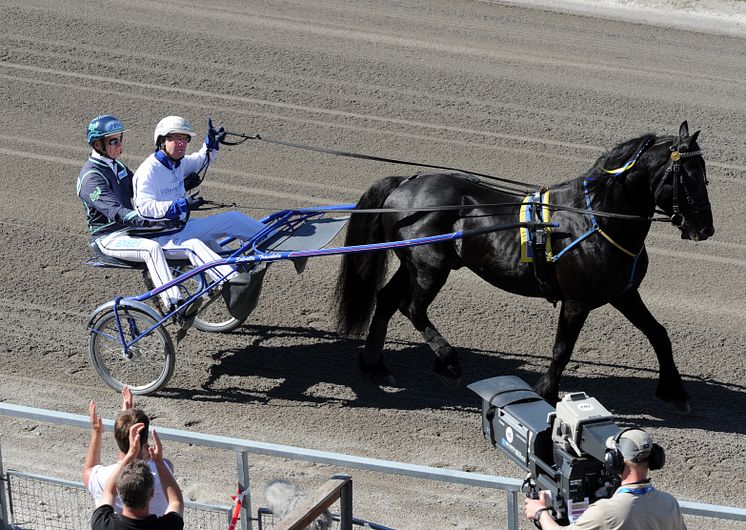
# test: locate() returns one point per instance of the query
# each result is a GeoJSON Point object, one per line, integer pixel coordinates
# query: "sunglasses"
{"type": "Point", "coordinates": [115, 141]}
{"type": "Point", "coordinates": [179, 139]}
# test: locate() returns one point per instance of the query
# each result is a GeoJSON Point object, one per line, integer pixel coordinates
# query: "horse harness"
{"type": "Point", "coordinates": [543, 264]}
{"type": "Point", "coordinates": [674, 168]}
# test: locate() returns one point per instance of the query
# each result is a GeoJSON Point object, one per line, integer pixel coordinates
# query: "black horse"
{"type": "Point", "coordinates": [595, 256]}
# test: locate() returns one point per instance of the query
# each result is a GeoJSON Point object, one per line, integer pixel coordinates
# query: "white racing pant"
{"type": "Point", "coordinates": [215, 227]}
{"type": "Point", "coordinates": [154, 253]}
{"type": "Point", "coordinates": [122, 246]}
{"type": "Point", "coordinates": [197, 241]}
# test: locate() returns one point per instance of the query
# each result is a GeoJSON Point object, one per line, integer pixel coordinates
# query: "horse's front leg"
{"type": "Point", "coordinates": [571, 319]}
{"type": "Point", "coordinates": [425, 286]}
{"type": "Point", "coordinates": [670, 387]}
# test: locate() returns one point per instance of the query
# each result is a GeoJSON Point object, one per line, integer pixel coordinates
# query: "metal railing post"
{"type": "Point", "coordinates": [242, 463]}
{"type": "Point", "coordinates": [513, 507]}
{"type": "Point", "coordinates": [4, 521]}
{"type": "Point", "coordinates": [345, 506]}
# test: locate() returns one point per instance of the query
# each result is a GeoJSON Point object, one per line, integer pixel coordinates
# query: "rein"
{"type": "Point", "coordinates": [448, 207]}
{"type": "Point", "coordinates": [525, 189]}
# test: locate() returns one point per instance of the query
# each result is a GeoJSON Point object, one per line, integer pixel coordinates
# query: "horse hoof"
{"type": "Point", "coordinates": [450, 375]}
{"type": "Point", "coordinates": [680, 402]}
{"type": "Point", "coordinates": [450, 382]}
{"type": "Point", "coordinates": [550, 396]}
{"type": "Point", "coordinates": [682, 406]}
{"type": "Point", "coordinates": [384, 380]}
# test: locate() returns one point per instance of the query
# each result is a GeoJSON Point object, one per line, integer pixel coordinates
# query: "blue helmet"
{"type": "Point", "coordinates": [101, 126]}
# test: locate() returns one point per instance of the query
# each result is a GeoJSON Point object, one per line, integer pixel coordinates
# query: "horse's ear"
{"type": "Point", "coordinates": [684, 130]}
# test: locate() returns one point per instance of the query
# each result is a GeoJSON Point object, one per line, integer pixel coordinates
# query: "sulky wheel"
{"type": "Point", "coordinates": [147, 364]}
{"type": "Point", "coordinates": [213, 315]}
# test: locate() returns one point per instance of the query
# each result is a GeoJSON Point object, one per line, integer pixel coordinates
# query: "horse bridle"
{"type": "Point", "coordinates": [674, 168]}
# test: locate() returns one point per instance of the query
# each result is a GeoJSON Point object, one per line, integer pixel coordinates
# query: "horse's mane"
{"type": "Point", "coordinates": [617, 156]}
{"type": "Point", "coordinates": [598, 180]}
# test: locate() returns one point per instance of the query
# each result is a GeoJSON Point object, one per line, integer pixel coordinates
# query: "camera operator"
{"type": "Point", "coordinates": [636, 505]}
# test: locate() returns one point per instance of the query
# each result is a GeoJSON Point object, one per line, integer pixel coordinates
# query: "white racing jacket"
{"type": "Point", "coordinates": [158, 182]}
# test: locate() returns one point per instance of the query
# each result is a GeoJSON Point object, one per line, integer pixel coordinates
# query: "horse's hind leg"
{"type": "Point", "coordinates": [571, 320]}
{"type": "Point", "coordinates": [670, 387]}
{"type": "Point", "coordinates": [425, 286]}
{"type": "Point", "coordinates": [388, 301]}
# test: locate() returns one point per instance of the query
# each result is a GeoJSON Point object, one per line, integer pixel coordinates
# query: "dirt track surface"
{"type": "Point", "coordinates": [515, 91]}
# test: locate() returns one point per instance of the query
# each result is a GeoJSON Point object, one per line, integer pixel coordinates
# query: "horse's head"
{"type": "Point", "coordinates": [679, 185]}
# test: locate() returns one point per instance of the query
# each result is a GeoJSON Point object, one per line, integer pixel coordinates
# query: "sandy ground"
{"type": "Point", "coordinates": [511, 89]}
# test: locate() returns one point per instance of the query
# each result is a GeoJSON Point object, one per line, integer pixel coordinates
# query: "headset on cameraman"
{"type": "Point", "coordinates": [614, 459]}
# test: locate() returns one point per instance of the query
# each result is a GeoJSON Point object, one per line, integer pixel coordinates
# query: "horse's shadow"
{"type": "Point", "coordinates": [321, 367]}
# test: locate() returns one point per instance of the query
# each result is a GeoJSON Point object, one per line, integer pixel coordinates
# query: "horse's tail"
{"type": "Point", "coordinates": [361, 273]}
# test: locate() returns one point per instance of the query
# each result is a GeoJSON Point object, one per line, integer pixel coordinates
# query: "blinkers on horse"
{"type": "Point", "coordinates": [674, 169]}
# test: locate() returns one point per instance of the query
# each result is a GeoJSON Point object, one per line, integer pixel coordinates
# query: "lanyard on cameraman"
{"type": "Point", "coordinates": [635, 491]}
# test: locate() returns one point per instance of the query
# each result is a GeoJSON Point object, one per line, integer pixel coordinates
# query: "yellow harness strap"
{"type": "Point", "coordinates": [617, 245]}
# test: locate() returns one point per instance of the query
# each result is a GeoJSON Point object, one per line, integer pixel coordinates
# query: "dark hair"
{"type": "Point", "coordinates": [124, 421]}
{"type": "Point", "coordinates": [135, 485]}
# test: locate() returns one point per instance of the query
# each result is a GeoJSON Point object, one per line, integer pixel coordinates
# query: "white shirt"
{"type": "Point", "coordinates": [100, 475]}
{"type": "Point", "coordinates": [157, 186]}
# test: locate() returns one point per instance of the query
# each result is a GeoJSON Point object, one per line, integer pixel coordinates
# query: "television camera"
{"type": "Point", "coordinates": [564, 450]}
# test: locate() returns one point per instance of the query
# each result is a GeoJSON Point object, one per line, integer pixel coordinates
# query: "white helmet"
{"type": "Point", "coordinates": [172, 125]}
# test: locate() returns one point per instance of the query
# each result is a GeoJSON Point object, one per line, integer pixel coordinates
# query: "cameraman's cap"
{"type": "Point", "coordinates": [635, 445]}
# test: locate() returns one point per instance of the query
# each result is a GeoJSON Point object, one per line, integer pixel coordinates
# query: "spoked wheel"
{"type": "Point", "coordinates": [147, 364]}
{"type": "Point", "coordinates": [213, 315]}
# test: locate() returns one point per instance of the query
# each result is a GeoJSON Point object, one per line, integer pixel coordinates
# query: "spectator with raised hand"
{"type": "Point", "coordinates": [134, 483]}
{"type": "Point", "coordinates": [95, 475]}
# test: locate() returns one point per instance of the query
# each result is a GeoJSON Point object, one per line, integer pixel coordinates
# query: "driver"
{"type": "Point", "coordinates": [160, 185]}
{"type": "Point", "coordinates": [105, 188]}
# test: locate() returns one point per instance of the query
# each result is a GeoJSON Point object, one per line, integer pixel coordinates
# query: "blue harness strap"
{"type": "Point", "coordinates": [595, 228]}
{"type": "Point", "coordinates": [535, 202]}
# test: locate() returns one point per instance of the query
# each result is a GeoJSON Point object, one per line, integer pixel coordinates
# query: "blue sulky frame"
{"type": "Point", "coordinates": [265, 247]}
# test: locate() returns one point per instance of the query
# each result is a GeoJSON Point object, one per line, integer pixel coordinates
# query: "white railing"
{"type": "Point", "coordinates": [242, 448]}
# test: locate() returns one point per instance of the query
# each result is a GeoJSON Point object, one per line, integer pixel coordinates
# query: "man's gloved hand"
{"type": "Point", "coordinates": [194, 201]}
{"type": "Point", "coordinates": [178, 207]}
{"type": "Point", "coordinates": [214, 136]}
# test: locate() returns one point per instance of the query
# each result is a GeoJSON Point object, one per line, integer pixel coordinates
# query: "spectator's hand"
{"type": "Point", "coordinates": [156, 450]}
{"type": "Point", "coordinates": [215, 135]}
{"type": "Point", "coordinates": [134, 436]}
{"type": "Point", "coordinates": [127, 402]}
{"type": "Point", "coordinates": [194, 201]}
{"type": "Point", "coordinates": [97, 424]}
